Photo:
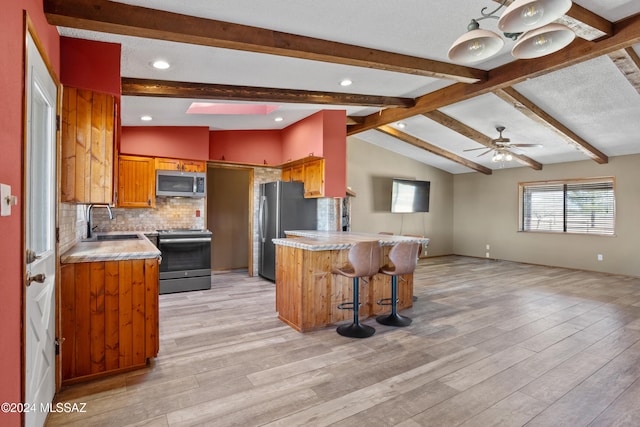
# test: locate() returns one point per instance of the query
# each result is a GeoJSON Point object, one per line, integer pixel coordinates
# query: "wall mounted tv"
{"type": "Point", "coordinates": [408, 195]}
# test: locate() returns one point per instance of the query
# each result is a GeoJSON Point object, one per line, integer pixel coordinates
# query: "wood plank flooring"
{"type": "Point", "coordinates": [491, 343]}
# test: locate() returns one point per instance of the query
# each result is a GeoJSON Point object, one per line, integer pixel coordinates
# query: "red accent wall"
{"type": "Point", "coordinates": [303, 138]}
{"type": "Point", "coordinates": [11, 172]}
{"type": "Point", "coordinates": [89, 64]}
{"type": "Point", "coordinates": [166, 141]}
{"type": "Point", "coordinates": [246, 146]}
{"type": "Point", "coordinates": [335, 153]}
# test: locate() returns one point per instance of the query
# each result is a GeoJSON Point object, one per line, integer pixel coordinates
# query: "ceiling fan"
{"type": "Point", "coordinates": [502, 146]}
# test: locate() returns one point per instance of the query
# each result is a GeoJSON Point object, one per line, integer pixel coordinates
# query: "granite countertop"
{"type": "Point", "coordinates": [111, 250]}
{"type": "Point", "coordinates": [316, 240]}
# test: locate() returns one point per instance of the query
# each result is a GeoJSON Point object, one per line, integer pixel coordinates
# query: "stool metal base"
{"type": "Point", "coordinates": [393, 319]}
{"type": "Point", "coordinates": [356, 330]}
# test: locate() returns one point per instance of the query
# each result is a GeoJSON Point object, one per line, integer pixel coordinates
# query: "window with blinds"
{"type": "Point", "coordinates": [576, 206]}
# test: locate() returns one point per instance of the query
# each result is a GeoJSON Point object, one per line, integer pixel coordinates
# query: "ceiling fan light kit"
{"type": "Point", "coordinates": [531, 19]}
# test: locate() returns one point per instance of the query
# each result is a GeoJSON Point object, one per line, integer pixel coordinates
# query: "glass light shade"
{"type": "Point", "coordinates": [508, 157]}
{"type": "Point", "coordinates": [474, 46]}
{"type": "Point", "coordinates": [543, 41]}
{"type": "Point", "coordinates": [526, 15]}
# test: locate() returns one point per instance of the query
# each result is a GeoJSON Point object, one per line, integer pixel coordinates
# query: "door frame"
{"type": "Point", "coordinates": [29, 29]}
{"type": "Point", "coordinates": [250, 193]}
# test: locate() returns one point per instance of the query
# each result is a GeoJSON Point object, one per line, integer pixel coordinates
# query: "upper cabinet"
{"type": "Point", "coordinates": [136, 182]}
{"type": "Point", "coordinates": [88, 129]}
{"type": "Point", "coordinates": [310, 171]}
{"type": "Point", "coordinates": [181, 165]}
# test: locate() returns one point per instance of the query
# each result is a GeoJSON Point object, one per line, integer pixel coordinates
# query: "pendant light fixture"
{"type": "Point", "coordinates": [530, 19]}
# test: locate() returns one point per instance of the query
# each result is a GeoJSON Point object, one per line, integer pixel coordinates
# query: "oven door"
{"type": "Point", "coordinates": [185, 254]}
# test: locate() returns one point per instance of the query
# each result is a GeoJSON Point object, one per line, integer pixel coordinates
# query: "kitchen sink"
{"type": "Point", "coordinates": [108, 237]}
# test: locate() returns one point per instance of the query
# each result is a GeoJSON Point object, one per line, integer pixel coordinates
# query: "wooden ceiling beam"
{"type": "Point", "coordinates": [119, 18]}
{"type": "Point", "coordinates": [628, 62]}
{"type": "Point", "coordinates": [417, 142]}
{"type": "Point", "coordinates": [171, 89]}
{"type": "Point", "coordinates": [626, 34]}
{"type": "Point", "coordinates": [537, 114]}
{"type": "Point", "coordinates": [469, 132]}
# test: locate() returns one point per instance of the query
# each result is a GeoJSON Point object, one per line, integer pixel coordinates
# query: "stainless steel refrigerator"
{"type": "Point", "coordinates": [282, 207]}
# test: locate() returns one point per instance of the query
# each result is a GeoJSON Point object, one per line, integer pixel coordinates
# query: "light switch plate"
{"type": "Point", "coordinates": [5, 200]}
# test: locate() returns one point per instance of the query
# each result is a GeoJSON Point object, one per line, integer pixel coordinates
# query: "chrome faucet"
{"type": "Point", "coordinates": [89, 229]}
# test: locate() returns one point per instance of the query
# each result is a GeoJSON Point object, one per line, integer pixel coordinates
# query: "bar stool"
{"type": "Point", "coordinates": [404, 256]}
{"type": "Point", "coordinates": [364, 258]}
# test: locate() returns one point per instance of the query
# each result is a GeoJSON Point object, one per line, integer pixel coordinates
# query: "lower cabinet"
{"type": "Point", "coordinates": [109, 317]}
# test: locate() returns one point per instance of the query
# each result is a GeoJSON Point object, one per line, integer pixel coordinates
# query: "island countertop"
{"type": "Point", "coordinates": [318, 240]}
{"type": "Point", "coordinates": [111, 250]}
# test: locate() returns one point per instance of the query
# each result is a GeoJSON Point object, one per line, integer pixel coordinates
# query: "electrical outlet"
{"type": "Point", "coordinates": [600, 257]}
{"type": "Point", "coordinates": [488, 246]}
{"type": "Point", "coordinates": [486, 254]}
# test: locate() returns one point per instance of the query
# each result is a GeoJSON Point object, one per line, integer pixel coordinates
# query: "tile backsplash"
{"type": "Point", "coordinates": [170, 212]}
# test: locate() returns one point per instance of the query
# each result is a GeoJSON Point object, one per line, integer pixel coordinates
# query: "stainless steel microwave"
{"type": "Point", "coordinates": [180, 184]}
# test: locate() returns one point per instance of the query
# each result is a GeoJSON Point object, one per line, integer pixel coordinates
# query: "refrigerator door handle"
{"type": "Point", "coordinates": [261, 217]}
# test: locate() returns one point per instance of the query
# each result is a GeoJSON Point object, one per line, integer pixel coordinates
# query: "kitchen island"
{"type": "Point", "coordinates": [308, 294]}
{"type": "Point", "coordinates": [109, 305]}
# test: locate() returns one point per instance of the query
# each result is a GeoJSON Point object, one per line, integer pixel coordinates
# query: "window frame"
{"type": "Point", "coordinates": [564, 182]}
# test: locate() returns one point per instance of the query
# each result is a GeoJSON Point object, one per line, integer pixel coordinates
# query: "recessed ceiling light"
{"type": "Point", "coordinates": [401, 125]}
{"type": "Point", "coordinates": [161, 64]}
{"type": "Point", "coordinates": [346, 82]}
{"type": "Point", "coordinates": [278, 119]}
{"type": "Point", "coordinates": [146, 118]}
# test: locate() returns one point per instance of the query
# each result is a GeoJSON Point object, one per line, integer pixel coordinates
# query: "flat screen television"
{"type": "Point", "coordinates": [408, 195]}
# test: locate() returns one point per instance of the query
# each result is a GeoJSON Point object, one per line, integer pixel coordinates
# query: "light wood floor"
{"type": "Point", "coordinates": [492, 343]}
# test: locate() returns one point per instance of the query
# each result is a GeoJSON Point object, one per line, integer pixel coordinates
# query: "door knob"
{"type": "Point", "coordinates": [39, 278]}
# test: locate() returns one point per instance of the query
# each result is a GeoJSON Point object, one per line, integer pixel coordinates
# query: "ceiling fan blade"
{"type": "Point", "coordinates": [474, 149]}
{"type": "Point", "coordinates": [527, 145]}
{"type": "Point", "coordinates": [488, 151]}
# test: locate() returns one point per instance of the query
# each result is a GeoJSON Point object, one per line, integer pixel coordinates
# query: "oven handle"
{"type": "Point", "coordinates": [187, 240]}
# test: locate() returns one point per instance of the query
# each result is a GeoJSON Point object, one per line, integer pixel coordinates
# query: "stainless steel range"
{"type": "Point", "coordinates": [186, 260]}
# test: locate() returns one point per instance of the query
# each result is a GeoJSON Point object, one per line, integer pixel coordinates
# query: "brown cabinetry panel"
{"type": "Point", "coordinates": [136, 182]}
{"type": "Point", "coordinates": [88, 123]}
{"type": "Point", "coordinates": [308, 170]}
{"type": "Point", "coordinates": [180, 165]}
{"type": "Point", "coordinates": [109, 317]}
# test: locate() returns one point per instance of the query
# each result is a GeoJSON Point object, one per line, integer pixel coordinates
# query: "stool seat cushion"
{"type": "Point", "coordinates": [364, 260]}
{"type": "Point", "coordinates": [404, 256]}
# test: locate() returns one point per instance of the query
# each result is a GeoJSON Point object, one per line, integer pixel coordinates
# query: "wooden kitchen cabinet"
{"type": "Point", "coordinates": [314, 178]}
{"type": "Point", "coordinates": [87, 145]}
{"type": "Point", "coordinates": [181, 165]}
{"type": "Point", "coordinates": [136, 182]}
{"type": "Point", "coordinates": [109, 317]}
{"type": "Point", "coordinates": [310, 171]}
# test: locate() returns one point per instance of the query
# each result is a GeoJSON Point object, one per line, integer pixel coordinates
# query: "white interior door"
{"type": "Point", "coordinates": [40, 208]}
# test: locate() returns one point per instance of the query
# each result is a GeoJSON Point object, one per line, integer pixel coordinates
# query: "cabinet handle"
{"type": "Point", "coordinates": [148, 202]}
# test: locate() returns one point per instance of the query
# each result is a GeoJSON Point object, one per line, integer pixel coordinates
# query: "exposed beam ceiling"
{"type": "Point", "coordinates": [480, 138]}
{"type": "Point", "coordinates": [170, 89]}
{"type": "Point", "coordinates": [416, 142]}
{"type": "Point", "coordinates": [626, 33]}
{"type": "Point", "coordinates": [118, 18]}
{"type": "Point", "coordinates": [628, 62]}
{"type": "Point", "coordinates": [529, 109]}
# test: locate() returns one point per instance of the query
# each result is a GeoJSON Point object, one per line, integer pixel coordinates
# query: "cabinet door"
{"type": "Point", "coordinates": [168, 164]}
{"type": "Point", "coordinates": [314, 178]}
{"type": "Point", "coordinates": [286, 174]}
{"type": "Point", "coordinates": [297, 173]}
{"type": "Point", "coordinates": [193, 166]}
{"type": "Point", "coordinates": [87, 146]}
{"type": "Point", "coordinates": [136, 182]}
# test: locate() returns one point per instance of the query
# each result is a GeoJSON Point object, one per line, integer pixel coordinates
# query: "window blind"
{"type": "Point", "coordinates": [586, 207]}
